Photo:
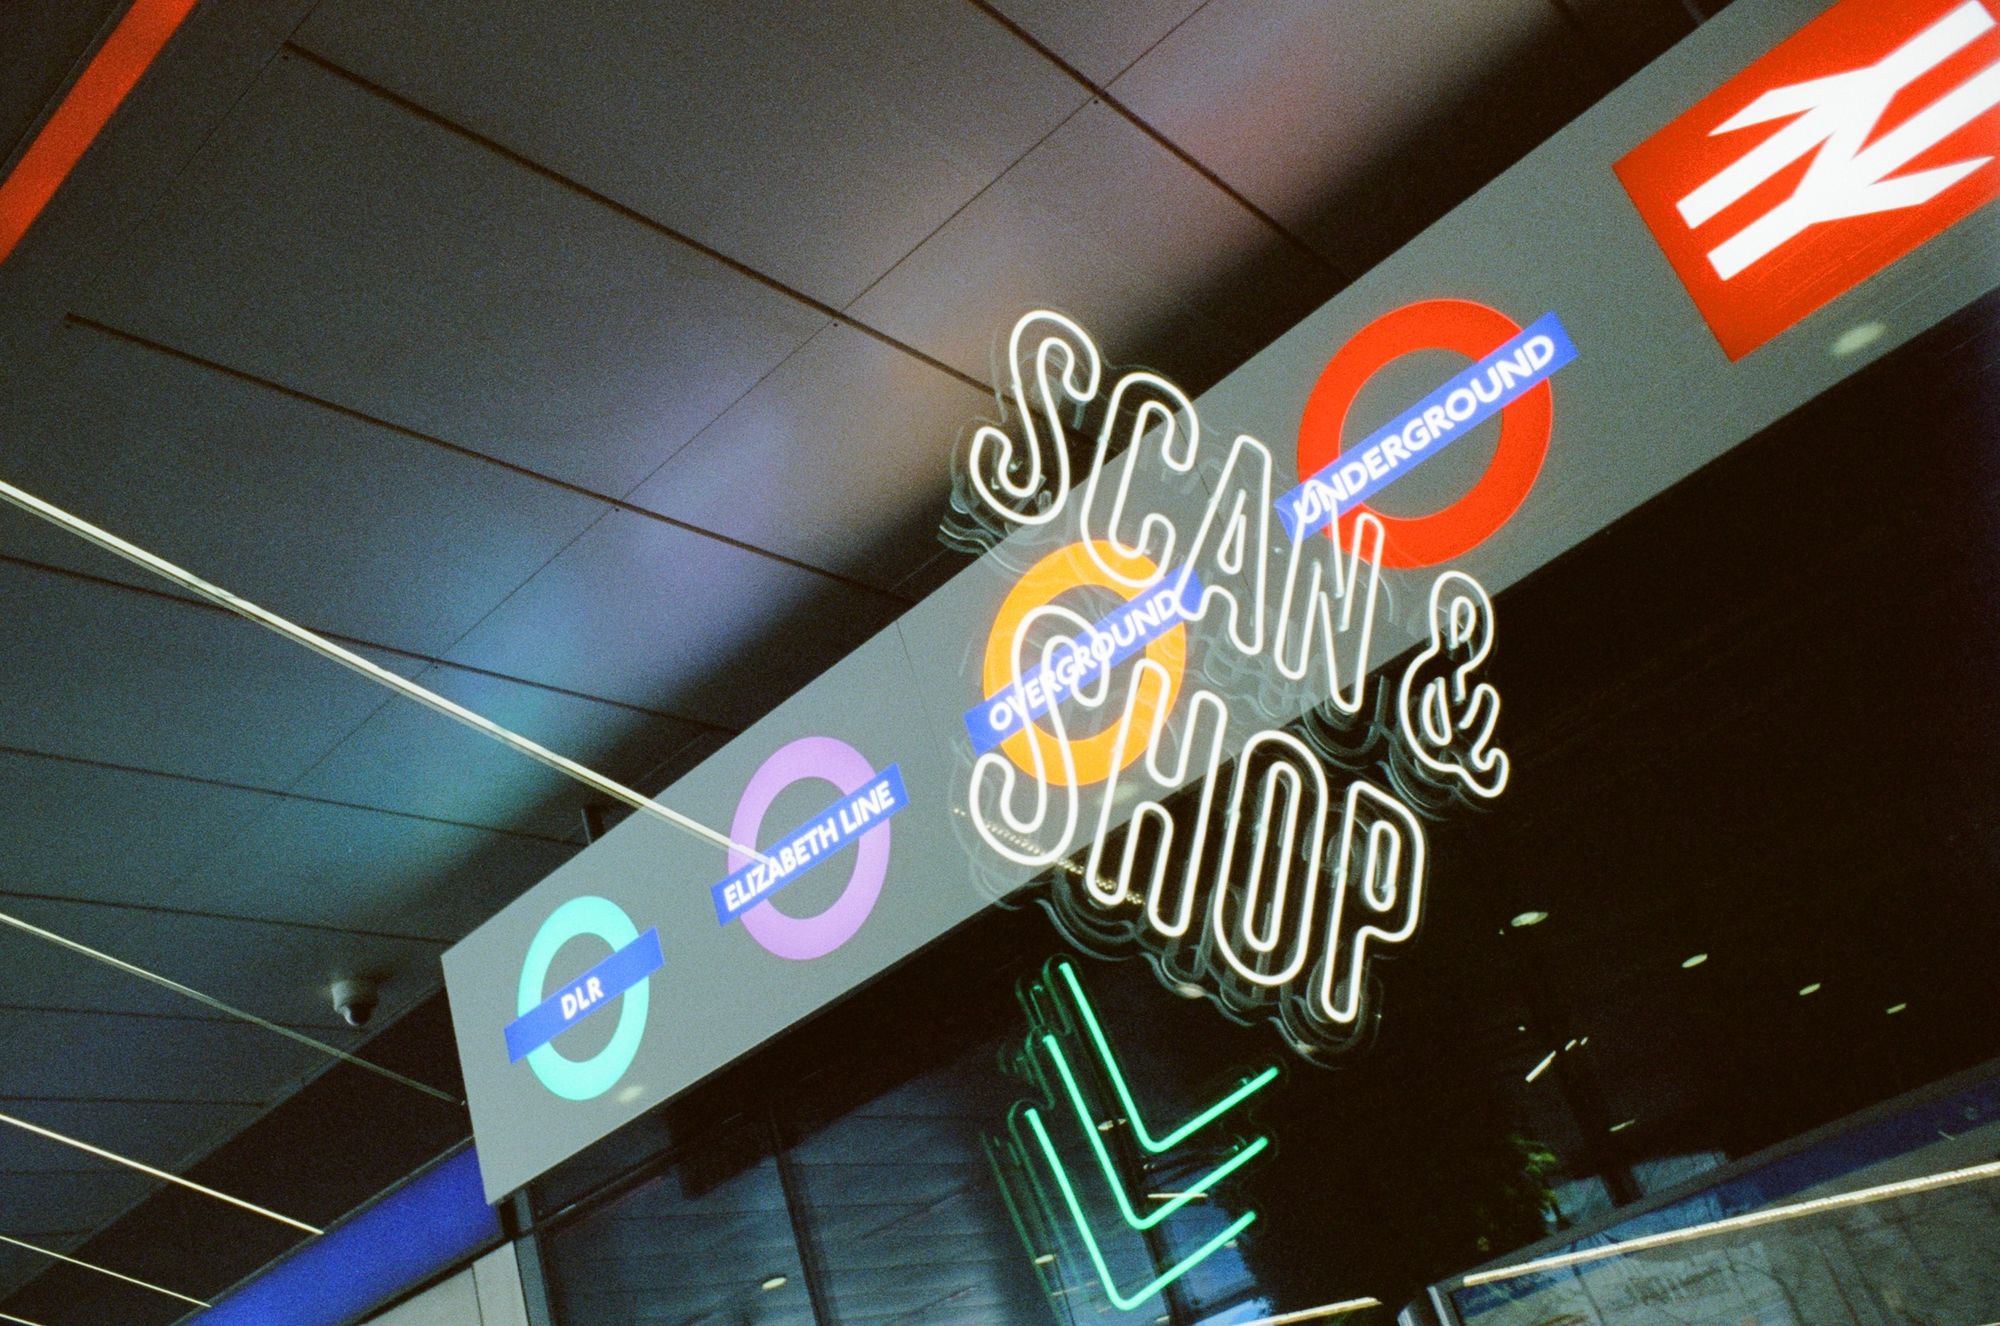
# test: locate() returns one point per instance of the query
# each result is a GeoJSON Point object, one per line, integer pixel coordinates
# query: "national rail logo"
{"type": "Point", "coordinates": [1859, 139]}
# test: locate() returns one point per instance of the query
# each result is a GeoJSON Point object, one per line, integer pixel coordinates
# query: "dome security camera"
{"type": "Point", "coordinates": [355, 1001]}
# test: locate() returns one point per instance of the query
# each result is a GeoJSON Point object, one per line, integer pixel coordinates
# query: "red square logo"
{"type": "Point", "coordinates": [1867, 132]}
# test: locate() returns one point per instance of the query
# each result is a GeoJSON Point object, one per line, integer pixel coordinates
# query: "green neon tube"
{"type": "Point", "coordinates": [1248, 1088]}
{"type": "Point", "coordinates": [1242, 1157]}
{"type": "Point", "coordinates": [1123, 1301]}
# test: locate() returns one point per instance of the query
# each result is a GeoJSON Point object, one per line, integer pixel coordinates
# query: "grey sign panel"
{"type": "Point", "coordinates": [720, 988]}
{"type": "Point", "coordinates": [559, 1057]}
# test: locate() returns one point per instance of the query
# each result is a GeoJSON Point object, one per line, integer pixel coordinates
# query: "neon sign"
{"type": "Point", "coordinates": [860, 818]}
{"type": "Point", "coordinates": [1242, 865]}
{"type": "Point", "coordinates": [1048, 1200]}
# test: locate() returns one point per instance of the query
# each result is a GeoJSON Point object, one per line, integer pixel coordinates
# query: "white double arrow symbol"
{"type": "Point", "coordinates": [1849, 176]}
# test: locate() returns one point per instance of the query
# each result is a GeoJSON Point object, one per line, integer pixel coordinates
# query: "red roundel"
{"type": "Point", "coordinates": [1465, 328]}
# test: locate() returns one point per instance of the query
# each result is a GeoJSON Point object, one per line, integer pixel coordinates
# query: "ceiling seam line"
{"type": "Point", "coordinates": [84, 761]}
{"type": "Point", "coordinates": [135, 1013]}
{"type": "Point", "coordinates": [985, 391]}
{"type": "Point", "coordinates": [150, 591]}
{"type": "Point", "coordinates": [229, 917]}
{"type": "Point", "coordinates": [1172, 148]}
{"type": "Point", "coordinates": [128, 1100]}
{"type": "Point", "coordinates": [627, 211]}
{"type": "Point", "coordinates": [472, 453]}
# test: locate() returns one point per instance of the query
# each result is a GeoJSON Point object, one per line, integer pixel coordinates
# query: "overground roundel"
{"type": "Point", "coordinates": [1465, 328]}
{"type": "Point", "coordinates": [1065, 569]}
{"type": "Point", "coordinates": [590, 1078]}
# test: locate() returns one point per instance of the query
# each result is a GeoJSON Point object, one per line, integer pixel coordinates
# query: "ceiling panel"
{"type": "Point", "coordinates": [651, 615]}
{"type": "Point", "coordinates": [76, 1056]}
{"type": "Point", "coordinates": [278, 972]}
{"type": "Point", "coordinates": [414, 759]}
{"type": "Point", "coordinates": [1105, 224]}
{"type": "Point", "coordinates": [817, 143]}
{"type": "Point", "coordinates": [318, 516]}
{"type": "Point", "coordinates": [1358, 124]}
{"type": "Point", "coordinates": [1100, 38]}
{"type": "Point", "coordinates": [78, 830]}
{"type": "Point", "coordinates": [334, 242]}
{"type": "Point", "coordinates": [365, 870]}
{"type": "Point", "coordinates": [103, 673]}
{"type": "Point", "coordinates": [841, 458]}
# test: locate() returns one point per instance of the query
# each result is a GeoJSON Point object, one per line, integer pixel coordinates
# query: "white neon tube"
{"type": "Point", "coordinates": [1775, 1215]}
{"type": "Point", "coordinates": [101, 1270]}
{"type": "Point", "coordinates": [19, 1321]}
{"type": "Point", "coordinates": [347, 658]}
{"type": "Point", "coordinates": [190, 1184]}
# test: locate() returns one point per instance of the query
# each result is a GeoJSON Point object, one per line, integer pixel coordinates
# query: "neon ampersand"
{"type": "Point", "coordinates": [1448, 720]}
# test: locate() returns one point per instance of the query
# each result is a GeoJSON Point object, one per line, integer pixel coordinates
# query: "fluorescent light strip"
{"type": "Point", "coordinates": [1776, 1214]}
{"type": "Point", "coordinates": [211, 1001]}
{"type": "Point", "coordinates": [190, 1184]}
{"type": "Point", "coordinates": [1320, 1313]}
{"type": "Point", "coordinates": [19, 1321]}
{"type": "Point", "coordinates": [326, 648]}
{"type": "Point", "coordinates": [1541, 1067]}
{"type": "Point", "coordinates": [101, 1270]}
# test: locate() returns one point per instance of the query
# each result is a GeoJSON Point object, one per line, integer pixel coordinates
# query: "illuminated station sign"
{"type": "Point", "coordinates": [1227, 662]}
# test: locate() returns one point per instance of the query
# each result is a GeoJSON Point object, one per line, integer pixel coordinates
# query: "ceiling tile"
{"type": "Point", "coordinates": [1359, 124]}
{"type": "Point", "coordinates": [331, 241]}
{"type": "Point", "coordinates": [841, 458]}
{"type": "Point", "coordinates": [69, 1056]}
{"type": "Point", "coordinates": [416, 760]}
{"type": "Point", "coordinates": [651, 615]}
{"type": "Point", "coordinates": [1103, 223]}
{"type": "Point", "coordinates": [280, 972]}
{"type": "Point", "coordinates": [315, 515]}
{"type": "Point", "coordinates": [82, 831]}
{"type": "Point", "coordinates": [817, 143]}
{"type": "Point", "coordinates": [364, 870]}
{"type": "Point", "coordinates": [103, 673]}
{"type": "Point", "coordinates": [1101, 38]}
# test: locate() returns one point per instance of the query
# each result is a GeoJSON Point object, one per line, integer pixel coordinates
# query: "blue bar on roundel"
{"type": "Point", "coordinates": [1530, 359]}
{"type": "Point", "coordinates": [1125, 630]}
{"type": "Point", "coordinates": [811, 843]}
{"type": "Point", "coordinates": [585, 995]}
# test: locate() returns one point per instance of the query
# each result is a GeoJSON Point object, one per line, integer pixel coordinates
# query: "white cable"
{"type": "Point", "coordinates": [190, 1184]}
{"type": "Point", "coordinates": [326, 648]}
{"type": "Point", "coordinates": [101, 1270]}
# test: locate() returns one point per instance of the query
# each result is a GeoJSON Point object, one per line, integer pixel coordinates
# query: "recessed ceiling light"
{"type": "Point", "coordinates": [1694, 961]}
{"type": "Point", "coordinates": [1897, 1008]}
{"type": "Point", "coordinates": [775, 1282]}
{"type": "Point", "coordinates": [1526, 919]}
{"type": "Point", "coordinates": [1809, 989]}
{"type": "Point", "coordinates": [1621, 1127]}
{"type": "Point", "coordinates": [1045, 1259]}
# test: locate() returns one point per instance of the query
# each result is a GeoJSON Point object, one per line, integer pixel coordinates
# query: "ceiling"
{"type": "Point", "coordinates": [598, 367]}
